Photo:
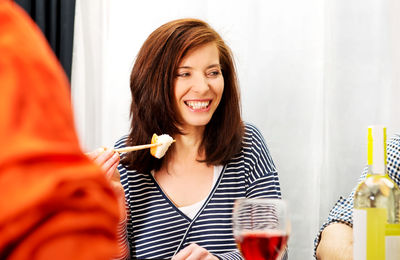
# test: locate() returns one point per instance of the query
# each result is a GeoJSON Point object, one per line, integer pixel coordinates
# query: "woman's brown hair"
{"type": "Point", "coordinates": [152, 87]}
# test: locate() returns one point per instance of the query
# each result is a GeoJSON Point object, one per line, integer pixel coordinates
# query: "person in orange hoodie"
{"type": "Point", "coordinates": [55, 203]}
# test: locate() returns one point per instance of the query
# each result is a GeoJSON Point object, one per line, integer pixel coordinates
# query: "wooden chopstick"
{"type": "Point", "coordinates": [137, 147]}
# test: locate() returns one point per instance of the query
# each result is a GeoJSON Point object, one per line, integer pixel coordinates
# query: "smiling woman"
{"type": "Point", "coordinates": [183, 83]}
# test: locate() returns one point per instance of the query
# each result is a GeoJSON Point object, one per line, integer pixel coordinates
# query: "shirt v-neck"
{"type": "Point", "coordinates": [192, 210]}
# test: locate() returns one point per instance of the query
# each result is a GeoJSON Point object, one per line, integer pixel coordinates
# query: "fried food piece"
{"type": "Point", "coordinates": [164, 140]}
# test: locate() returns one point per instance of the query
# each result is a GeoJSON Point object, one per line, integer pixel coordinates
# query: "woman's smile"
{"type": "Point", "coordinates": [198, 105]}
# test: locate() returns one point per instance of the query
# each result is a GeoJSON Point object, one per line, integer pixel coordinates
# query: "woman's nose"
{"type": "Point", "coordinates": [200, 83]}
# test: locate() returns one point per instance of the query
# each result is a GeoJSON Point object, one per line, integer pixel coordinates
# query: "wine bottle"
{"type": "Point", "coordinates": [376, 203]}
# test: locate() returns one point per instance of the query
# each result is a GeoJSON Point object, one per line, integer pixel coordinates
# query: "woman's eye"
{"type": "Point", "coordinates": [214, 73]}
{"type": "Point", "coordinates": [183, 74]}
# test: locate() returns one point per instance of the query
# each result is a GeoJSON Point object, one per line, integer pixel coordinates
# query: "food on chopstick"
{"type": "Point", "coordinates": [158, 147]}
{"type": "Point", "coordinates": [164, 142]}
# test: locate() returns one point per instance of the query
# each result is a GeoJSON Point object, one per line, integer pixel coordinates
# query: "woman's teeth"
{"type": "Point", "coordinates": [197, 104]}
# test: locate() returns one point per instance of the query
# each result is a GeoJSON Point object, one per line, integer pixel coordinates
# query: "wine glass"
{"type": "Point", "coordinates": [261, 228]}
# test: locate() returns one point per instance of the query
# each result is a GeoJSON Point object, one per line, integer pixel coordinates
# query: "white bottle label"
{"type": "Point", "coordinates": [392, 247]}
{"type": "Point", "coordinates": [360, 234]}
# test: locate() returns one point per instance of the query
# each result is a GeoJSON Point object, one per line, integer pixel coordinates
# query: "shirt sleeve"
{"type": "Point", "coordinates": [122, 239]}
{"type": "Point", "coordinates": [122, 229]}
{"type": "Point", "coordinates": [262, 176]}
{"type": "Point", "coordinates": [393, 159]}
{"type": "Point", "coordinates": [232, 255]}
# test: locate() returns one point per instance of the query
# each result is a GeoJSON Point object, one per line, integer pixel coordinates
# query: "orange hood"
{"type": "Point", "coordinates": [54, 202]}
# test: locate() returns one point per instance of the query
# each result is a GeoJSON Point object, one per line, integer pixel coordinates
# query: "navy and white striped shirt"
{"type": "Point", "coordinates": [157, 229]}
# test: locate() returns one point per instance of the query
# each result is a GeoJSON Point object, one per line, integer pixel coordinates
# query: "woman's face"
{"type": "Point", "coordinates": [199, 85]}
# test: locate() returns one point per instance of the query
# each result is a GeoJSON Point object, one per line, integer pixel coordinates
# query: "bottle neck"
{"type": "Point", "coordinates": [377, 150]}
{"type": "Point", "coordinates": [374, 170]}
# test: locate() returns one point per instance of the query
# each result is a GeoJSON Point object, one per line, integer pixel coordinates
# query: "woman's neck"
{"type": "Point", "coordinates": [188, 144]}
{"type": "Point", "coordinates": [187, 147]}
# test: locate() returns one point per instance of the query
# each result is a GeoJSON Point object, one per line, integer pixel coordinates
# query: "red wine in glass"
{"type": "Point", "coordinates": [261, 227]}
{"type": "Point", "coordinates": [262, 245]}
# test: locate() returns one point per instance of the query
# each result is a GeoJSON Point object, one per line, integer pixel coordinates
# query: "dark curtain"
{"type": "Point", "coordinates": [56, 19]}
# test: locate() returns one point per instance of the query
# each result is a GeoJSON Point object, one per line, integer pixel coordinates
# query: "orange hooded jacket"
{"type": "Point", "coordinates": [54, 202]}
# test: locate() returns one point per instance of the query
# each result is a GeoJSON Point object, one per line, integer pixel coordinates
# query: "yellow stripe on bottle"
{"type": "Point", "coordinates": [370, 146]}
{"type": "Point", "coordinates": [376, 225]}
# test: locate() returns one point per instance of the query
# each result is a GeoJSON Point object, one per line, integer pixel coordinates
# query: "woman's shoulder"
{"type": "Point", "coordinates": [121, 142]}
{"type": "Point", "coordinates": [255, 150]}
{"type": "Point", "coordinates": [251, 132]}
{"type": "Point", "coordinates": [250, 127]}
{"type": "Point", "coordinates": [395, 140]}
{"type": "Point", "coordinates": [393, 147]}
